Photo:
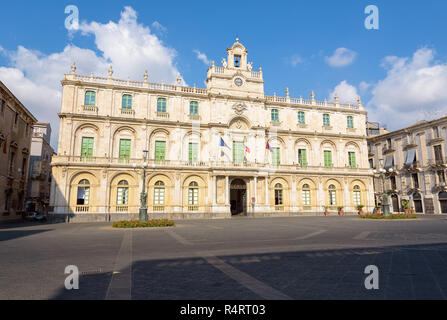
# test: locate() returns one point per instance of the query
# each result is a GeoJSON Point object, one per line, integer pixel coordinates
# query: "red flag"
{"type": "Point", "coordinates": [247, 149]}
{"type": "Point", "coordinates": [268, 147]}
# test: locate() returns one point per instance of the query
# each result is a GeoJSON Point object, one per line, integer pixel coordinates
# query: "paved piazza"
{"type": "Point", "coordinates": [241, 258]}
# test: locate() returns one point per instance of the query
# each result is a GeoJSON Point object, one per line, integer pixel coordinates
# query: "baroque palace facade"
{"type": "Point", "coordinates": [212, 153]}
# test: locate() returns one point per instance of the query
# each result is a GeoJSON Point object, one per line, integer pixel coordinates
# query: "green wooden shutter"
{"type": "Point", "coordinates": [193, 152]}
{"type": "Point", "coordinates": [160, 150]}
{"type": "Point", "coordinates": [328, 158]}
{"type": "Point", "coordinates": [238, 152]}
{"type": "Point", "coordinates": [303, 157]}
{"type": "Point", "coordinates": [351, 157]}
{"type": "Point", "coordinates": [276, 156]}
{"type": "Point", "coordinates": [87, 148]}
{"type": "Point", "coordinates": [125, 149]}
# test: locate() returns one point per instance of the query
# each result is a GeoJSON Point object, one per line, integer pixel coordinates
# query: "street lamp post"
{"type": "Point", "coordinates": [143, 197]}
{"type": "Point", "coordinates": [385, 202]}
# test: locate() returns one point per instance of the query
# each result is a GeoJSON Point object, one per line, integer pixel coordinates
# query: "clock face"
{"type": "Point", "coordinates": [238, 82]}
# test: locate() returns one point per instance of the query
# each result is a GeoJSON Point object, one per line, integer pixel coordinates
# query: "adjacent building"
{"type": "Point", "coordinates": [39, 178]}
{"type": "Point", "coordinates": [16, 126]}
{"type": "Point", "coordinates": [225, 150]}
{"type": "Point", "coordinates": [417, 157]}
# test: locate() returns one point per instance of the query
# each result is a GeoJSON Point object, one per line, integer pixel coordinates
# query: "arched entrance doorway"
{"type": "Point", "coordinates": [395, 202]}
{"type": "Point", "coordinates": [238, 197]}
{"type": "Point", "coordinates": [443, 201]}
{"type": "Point", "coordinates": [417, 199]}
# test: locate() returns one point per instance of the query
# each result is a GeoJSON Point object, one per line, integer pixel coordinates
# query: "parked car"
{"type": "Point", "coordinates": [35, 216]}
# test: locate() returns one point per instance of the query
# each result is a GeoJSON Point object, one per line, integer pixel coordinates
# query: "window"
{"type": "Point", "coordinates": [161, 105]}
{"type": "Point", "coordinates": [441, 176]}
{"type": "Point", "coordinates": [438, 153]}
{"type": "Point", "coordinates": [351, 157]}
{"type": "Point", "coordinates": [127, 101]}
{"type": "Point", "coordinates": [122, 196]}
{"type": "Point", "coordinates": [124, 150]}
{"type": "Point", "coordinates": [415, 178]}
{"type": "Point", "coordinates": [350, 122]}
{"type": "Point", "coordinates": [237, 61]}
{"type": "Point", "coordinates": [23, 167]}
{"type": "Point", "coordinates": [193, 194]}
{"type": "Point", "coordinates": [357, 196]}
{"type": "Point", "coordinates": [193, 155]}
{"type": "Point", "coordinates": [194, 108]}
{"type": "Point", "coordinates": [436, 132]}
{"type": "Point", "coordinates": [306, 195]}
{"type": "Point", "coordinates": [371, 163]}
{"type": "Point", "coordinates": [275, 115]}
{"type": "Point", "coordinates": [326, 120]}
{"type": "Point", "coordinates": [276, 156]}
{"type": "Point", "coordinates": [327, 158]}
{"type": "Point", "coordinates": [332, 195]}
{"type": "Point", "coordinates": [388, 141]}
{"type": "Point", "coordinates": [301, 118]}
{"type": "Point", "coordinates": [11, 161]}
{"type": "Point", "coordinates": [160, 151]}
{"type": "Point", "coordinates": [3, 106]}
{"type": "Point", "coordinates": [83, 197]}
{"type": "Point", "coordinates": [159, 193]}
{"type": "Point", "coordinates": [278, 195]}
{"type": "Point", "coordinates": [393, 183]}
{"type": "Point", "coordinates": [238, 152]}
{"type": "Point", "coordinates": [90, 98]}
{"type": "Point", "coordinates": [87, 148]}
{"type": "Point", "coordinates": [302, 157]}
{"type": "Point", "coordinates": [16, 118]}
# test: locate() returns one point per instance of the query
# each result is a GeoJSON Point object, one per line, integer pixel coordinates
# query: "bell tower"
{"type": "Point", "coordinates": [236, 76]}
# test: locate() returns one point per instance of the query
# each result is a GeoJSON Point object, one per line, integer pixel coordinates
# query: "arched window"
{"type": "Point", "coordinates": [357, 196]}
{"type": "Point", "coordinates": [350, 120]}
{"type": "Point", "coordinates": [326, 120]}
{"type": "Point", "coordinates": [127, 102]}
{"type": "Point", "coordinates": [159, 193]}
{"type": "Point", "coordinates": [193, 194]}
{"type": "Point", "coordinates": [301, 118]}
{"type": "Point", "coordinates": [332, 195]}
{"type": "Point", "coordinates": [278, 194]}
{"type": "Point", "coordinates": [161, 105]}
{"type": "Point", "coordinates": [306, 195]}
{"type": "Point", "coordinates": [122, 196]}
{"type": "Point", "coordinates": [83, 196]}
{"type": "Point", "coordinates": [194, 108]}
{"type": "Point", "coordinates": [90, 98]}
{"type": "Point", "coordinates": [275, 115]}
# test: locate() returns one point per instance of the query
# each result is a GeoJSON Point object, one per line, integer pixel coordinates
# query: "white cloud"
{"type": "Point", "coordinates": [202, 57]}
{"type": "Point", "coordinates": [161, 29]}
{"type": "Point", "coordinates": [295, 60]}
{"type": "Point", "coordinates": [413, 88]}
{"type": "Point", "coordinates": [346, 93]}
{"type": "Point", "coordinates": [342, 57]}
{"type": "Point", "coordinates": [130, 47]}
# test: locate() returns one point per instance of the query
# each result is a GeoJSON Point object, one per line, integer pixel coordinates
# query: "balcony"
{"type": "Point", "coordinates": [388, 149]}
{"type": "Point", "coordinates": [435, 140]}
{"type": "Point", "coordinates": [90, 108]}
{"type": "Point", "coordinates": [438, 163]}
{"type": "Point", "coordinates": [163, 115]}
{"type": "Point", "coordinates": [441, 186]}
{"type": "Point", "coordinates": [195, 117]}
{"type": "Point", "coordinates": [275, 123]}
{"type": "Point", "coordinates": [414, 167]}
{"type": "Point", "coordinates": [122, 208]}
{"type": "Point", "coordinates": [128, 112]}
{"type": "Point", "coordinates": [82, 209]}
{"type": "Point", "coordinates": [193, 208]}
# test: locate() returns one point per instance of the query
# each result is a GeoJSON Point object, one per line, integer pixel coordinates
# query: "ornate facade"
{"type": "Point", "coordinates": [215, 152]}
{"type": "Point", "coordinates": [418, 161]}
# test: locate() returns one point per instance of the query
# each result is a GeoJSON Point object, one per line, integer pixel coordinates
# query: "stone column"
{"type": "Point", "coordinates": [256, 189]}
{"type": "Point", "coordinates": [266, 190]}
{"type": "Point", "coordinates": [227, 190]}
{"type": "Point", "coordinates": [214, 190]}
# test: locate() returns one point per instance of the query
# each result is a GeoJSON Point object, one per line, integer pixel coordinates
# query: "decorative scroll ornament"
{"type": "Point", "coordinates": [239, 108]}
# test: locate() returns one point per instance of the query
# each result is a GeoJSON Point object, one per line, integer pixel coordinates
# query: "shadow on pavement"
{"type": "Point", "coordinates": [405, 272]}
{"type": "Point", "coordinates": [8, 235]}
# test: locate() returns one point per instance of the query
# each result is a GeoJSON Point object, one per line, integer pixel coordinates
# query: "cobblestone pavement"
{"type": "Point", "coordinates": [240, 259]}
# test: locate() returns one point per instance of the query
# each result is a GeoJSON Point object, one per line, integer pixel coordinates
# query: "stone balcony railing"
{"type": "Point", "coordinates": [170, 164]}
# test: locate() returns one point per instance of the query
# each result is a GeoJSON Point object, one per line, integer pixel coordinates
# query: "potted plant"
{"type": "Point", "coordinates": [412, 210]}
{"type": "Point", "coordinates": [378, 210]}
{"type": "Point", "coordinates": [326, 212]}
{"type": "Point", "coordinates": [360, 209]}
{"type": "Point", "coordinates": [405, 206]}
{"type": "Point", "coordinates": [340, 211]}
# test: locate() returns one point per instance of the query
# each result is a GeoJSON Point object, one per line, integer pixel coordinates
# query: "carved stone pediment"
{"type": "Point", "coordinates": [239, 108]}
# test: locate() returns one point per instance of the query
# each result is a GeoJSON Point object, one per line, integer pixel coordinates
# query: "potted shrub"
{"type": "Point", "coordinates": [412, 210]}
{"type": "Point", "coordinates": [405, 206]}
{"type": "Point", "coordinates": [340, 211]}
{"type": "Point", "coordinates": [326, 212]}
{"type": "Point", "coordinates": [378, 210]}
{"type": "Point", "coordinates": [360, 209]}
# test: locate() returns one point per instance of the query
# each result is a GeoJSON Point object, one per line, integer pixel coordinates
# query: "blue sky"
{"type": "Point", "coordinates": [399, 70]}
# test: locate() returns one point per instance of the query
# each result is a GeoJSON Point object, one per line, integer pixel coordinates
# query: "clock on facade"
{"type": "Point", "coordinates": [238, 82]}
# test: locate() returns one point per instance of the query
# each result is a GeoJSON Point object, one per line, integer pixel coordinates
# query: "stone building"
{"type": "Point", "coordinates": [418, 161]}
{"type": "Point", "coordinates": [216, 152]}
{"type": "Point", "coordinates": [16, 125]}
{"type": "Point", "coordinates": [39, 179]}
